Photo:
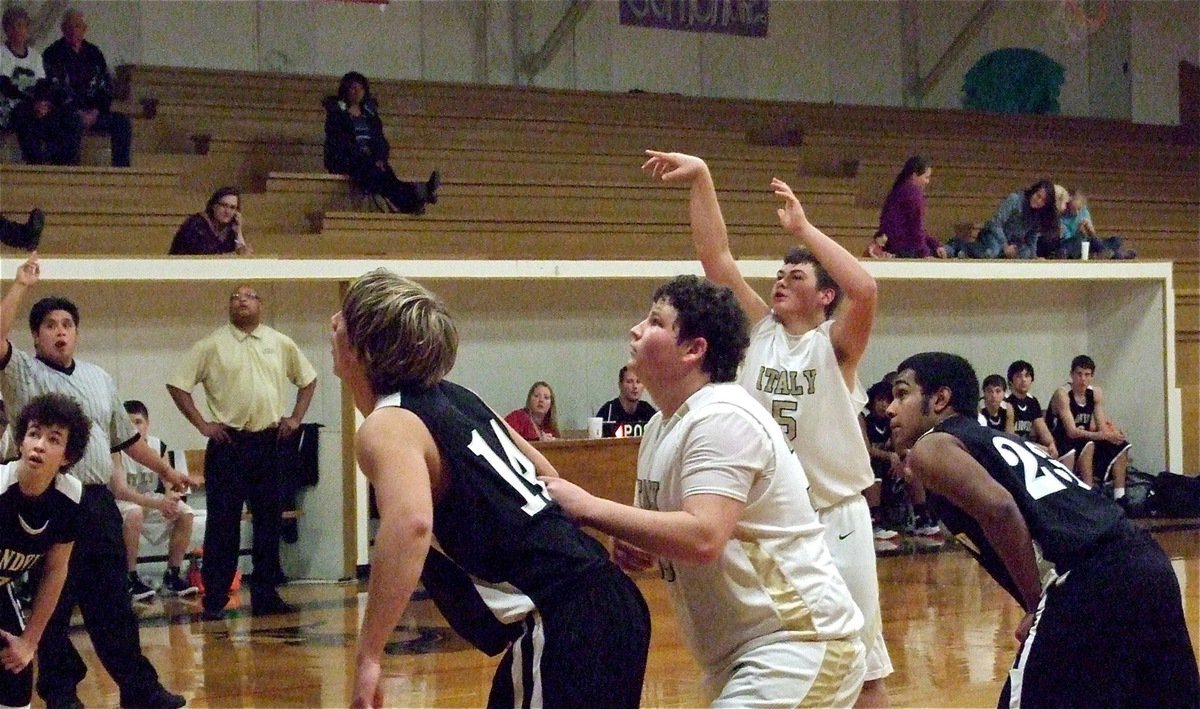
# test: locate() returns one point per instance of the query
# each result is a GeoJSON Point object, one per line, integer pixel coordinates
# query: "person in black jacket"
{"type": "Point", "coordinates": [355, 146]}
{"type": "Point", "coordinates": [78, 69]}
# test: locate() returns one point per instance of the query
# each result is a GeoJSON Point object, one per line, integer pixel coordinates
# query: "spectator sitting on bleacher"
{"type": "Point", "coordinates": [878, 247]}
{"type": "Point", "coordinates": [151, 512]}
{"type": "Point", "coordinates": [1052, 244]}
{"type": "Point", "coordinates": [1014, 230]}
{"type": "Point", "coordinates": [903, 216]}
{"type": "Point", "coordinates": [1077, 226]}
{"type": "Point", "coordinates": [23, 236]}
{"type": "Point", "coordinates": [216, 230]}
{"type": "Point", "coordinates": [538, 419]}
{"type": "Point", "coordinates": [46, 132]}
{"type": "Point", "coordinates": [355, 146]}
{"type": "Point", "coordinates": [78, 68]}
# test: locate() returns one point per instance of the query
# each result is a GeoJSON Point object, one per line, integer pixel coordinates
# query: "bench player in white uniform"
{"type": "Point", "coordinates": [801, 366]}
{"type": "Point", "coordinates": [721, 502]}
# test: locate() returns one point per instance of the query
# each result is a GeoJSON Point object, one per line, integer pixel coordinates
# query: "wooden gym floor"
{"type": "Point", "coordinates": [949, 630]}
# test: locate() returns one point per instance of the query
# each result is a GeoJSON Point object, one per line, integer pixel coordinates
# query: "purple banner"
{"type": "Point", "coordinates": [747, 18]}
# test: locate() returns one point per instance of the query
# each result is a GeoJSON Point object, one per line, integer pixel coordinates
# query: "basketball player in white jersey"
{"type": "Point", "coordinates": [802, 366]}
{"type": "Point", "coordinates": [721, 505]}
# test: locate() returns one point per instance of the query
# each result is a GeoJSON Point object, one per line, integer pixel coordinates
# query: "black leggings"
{"type": "Point", "coordinates": [407, 197]}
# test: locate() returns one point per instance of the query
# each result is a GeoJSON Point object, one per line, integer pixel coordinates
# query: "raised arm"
{"type": "Point", "coordinates": [852, 329]}
{"type": "Point", "coordinates": [391, 447]}
{"type": "Point", "coordinates": [708, 226]}
{"type": "Point", "coordinates": [28, 274]}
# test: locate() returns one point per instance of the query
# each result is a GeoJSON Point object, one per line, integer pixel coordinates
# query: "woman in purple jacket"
{"type": "Point", "coordinates": [903, 215]}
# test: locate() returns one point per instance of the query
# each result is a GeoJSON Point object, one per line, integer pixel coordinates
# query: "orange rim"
{"type": "Point", "coordinates": [1080, 14]}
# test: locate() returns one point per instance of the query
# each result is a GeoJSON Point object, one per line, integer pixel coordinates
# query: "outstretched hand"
{"type": "Point", "coordinates": [29, 272]}
{"type": "Point", "coordinates": [791, 214]}
{"type": "Point", "coordinates": [673, 167]}
{"type": "Point", "coordinates": [574, 500]}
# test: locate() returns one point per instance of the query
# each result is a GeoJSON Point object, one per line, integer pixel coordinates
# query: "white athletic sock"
{"type": "Point", "coordinates": [1118, 493]}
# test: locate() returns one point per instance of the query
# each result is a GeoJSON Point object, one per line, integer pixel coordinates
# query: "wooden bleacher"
{"type": "Point", "coordinates": [553, 174]}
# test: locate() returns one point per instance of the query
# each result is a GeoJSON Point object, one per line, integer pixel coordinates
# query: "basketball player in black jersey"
{"type": "Point", "coordinates": [39, 518]}
{"type": "Point", "coordinates": [1029, 419]}
{"type": "Point", "coordinates": [995, 413]}
{"type": "Point", "coordinates": [507, 568]}
{"type": "Point", "coordinates": [1077, 418]}
{"type": "Point", "coordinates": [1108, 630]}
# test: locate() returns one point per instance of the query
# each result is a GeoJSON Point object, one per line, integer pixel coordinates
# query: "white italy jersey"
{"type": "Point", "coordinates": [797, 379]}
{"type": "Point", "coordinates": [775, 580]}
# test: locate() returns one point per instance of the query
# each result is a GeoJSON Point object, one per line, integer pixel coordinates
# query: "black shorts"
{"type": "Point", "coordinates": [587, 651]}
{"type": "Point", "coordinates": [1110, 634]}
{"type": "Point", "coordinates": [1104, 454]}
{"type": "Point", "coordinates": [16, 690]}
{"type": "Point", "coordinates": [1103, 457]}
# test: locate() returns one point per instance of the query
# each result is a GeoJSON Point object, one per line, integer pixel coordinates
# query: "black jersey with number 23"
{"type": "Point", "coordinates": [1066, 518]}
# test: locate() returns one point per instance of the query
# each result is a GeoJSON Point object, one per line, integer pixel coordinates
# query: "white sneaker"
{"type": "Point", "coordinates": [926, 527]}
{"type": "Point", "coordinates": [883, 533]}
{"type": "Point", "coordinates": [883, 546]}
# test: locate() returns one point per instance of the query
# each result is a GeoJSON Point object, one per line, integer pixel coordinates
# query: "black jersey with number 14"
{"type": "Point", "coordinates": [493, 520]}
{"type": "Point", "coordinates": [1066, 518]}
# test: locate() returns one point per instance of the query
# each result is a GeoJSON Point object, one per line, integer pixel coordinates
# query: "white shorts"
{"type": "Point", "coordinates": [156, 529]}
{"type": "Point", "coordinates": [791, 674]}
{"type": "Point", "coordinates": [851, 542]}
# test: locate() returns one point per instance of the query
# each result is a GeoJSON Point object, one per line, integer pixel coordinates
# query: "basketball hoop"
{"type": "Point", "coordinates": [1094, 22]}
{"type": "Point", "coordinates": [1076, 23]}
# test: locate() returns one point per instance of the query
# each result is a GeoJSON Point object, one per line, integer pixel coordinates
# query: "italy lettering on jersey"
{"type": "Point", "coordinates": [786, 382]}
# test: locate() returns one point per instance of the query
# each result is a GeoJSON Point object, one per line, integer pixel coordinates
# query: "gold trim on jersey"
{"type": "Point", "coordinates": [791, 608]}
{"type": "Point", "coordinates": [836, 665]}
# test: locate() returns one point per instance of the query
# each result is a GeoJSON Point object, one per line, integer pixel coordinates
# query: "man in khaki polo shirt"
{"type": "Point", "coordinates": [245, 367]}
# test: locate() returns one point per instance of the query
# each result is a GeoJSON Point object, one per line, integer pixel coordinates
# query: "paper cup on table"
{"type": "Point", "coordinates": [1085, 248]}
{"type": "Point", "coordinates": [595, 426]}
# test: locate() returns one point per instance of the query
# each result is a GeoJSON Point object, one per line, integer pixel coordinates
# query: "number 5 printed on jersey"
{"type": "Point", "coordinates": [518, 471]}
